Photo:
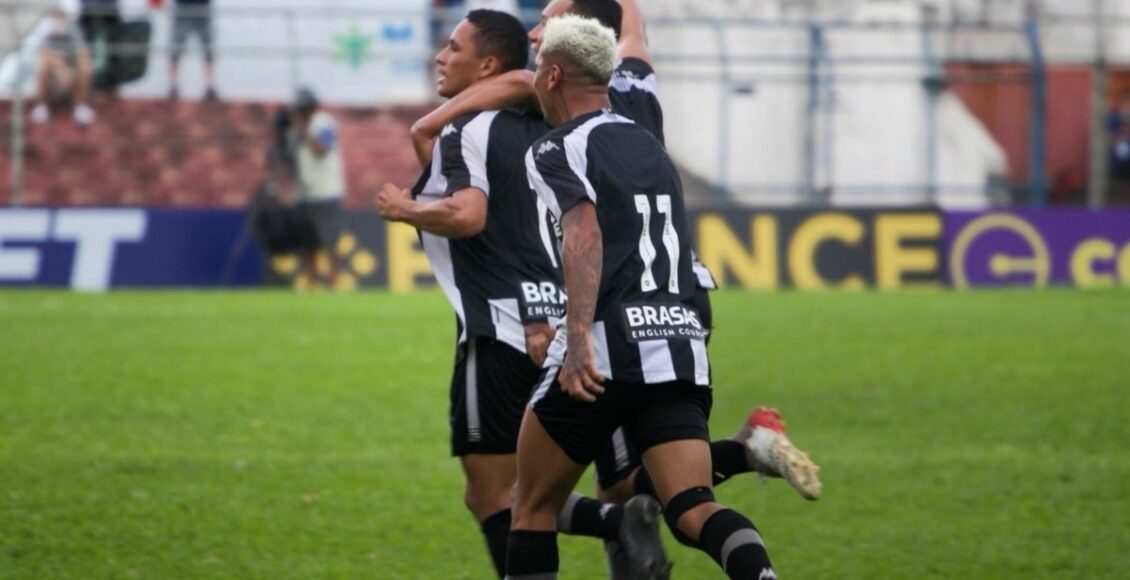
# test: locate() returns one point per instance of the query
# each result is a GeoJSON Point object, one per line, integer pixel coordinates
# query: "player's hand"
{"type": "Point", "coordinates": [579, 377]}
{"type": "Point", "coordinates": [538, 337]}
{"type": "Point", "coordinates": [391, 200]}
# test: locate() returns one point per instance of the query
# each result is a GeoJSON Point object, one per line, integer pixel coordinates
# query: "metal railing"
{"type": "Point", "coordinates": [818, 69]}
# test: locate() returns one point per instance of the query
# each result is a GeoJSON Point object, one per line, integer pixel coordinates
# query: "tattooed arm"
{"type": "Point", "coordinates": [582, 256]}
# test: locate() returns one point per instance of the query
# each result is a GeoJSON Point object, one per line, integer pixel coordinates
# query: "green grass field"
{"type": "Point", "coordinates": [276, 435]}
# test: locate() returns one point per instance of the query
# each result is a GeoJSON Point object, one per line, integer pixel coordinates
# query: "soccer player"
{"type": "Point", "coordinates": [491, 249]}
{"type": "Point", "coordinates": [760, 445]}
{"type": "Point", "coordinates": [633, 349]}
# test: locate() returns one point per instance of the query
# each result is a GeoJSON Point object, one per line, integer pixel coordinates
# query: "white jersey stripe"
{"type": "Point", "coordinates": [576, 148]}
{"type": "Point", "coordinates": [540, 187]}
{"type": "Point", "coordinates": [507, 319]}
{"type": "Point", "coordinates": [438, 250]}
{"type": "Point", "coordinates": [624, 84]}
{"type": "Point", "coordinates": [701, 362]}
{"type": "Point", "coordinates": [600, 350]}
{"type": "Point", "coordinates": [656, 361]}
{"type": "Point", "coordinates": [475, 141]}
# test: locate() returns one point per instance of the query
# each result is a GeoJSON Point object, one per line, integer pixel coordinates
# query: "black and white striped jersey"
{"type": "Point", "coordinates": [646, 328]}
{"type": "Point", "coordinates": [634, 93]}
{"type": "Point", "coordinates": [506, 275]}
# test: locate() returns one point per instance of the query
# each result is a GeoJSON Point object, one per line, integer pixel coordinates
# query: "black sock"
{"type": "Point", "coordinates": [746, 556]}
{"type": "Point", "coordinates": [531, 552]}
{"type": "Point", "coordinates": [642, 484]}
{"type": "Point", "coordinates": [496, 530]}
{"type": "Point", "coordinates": [728, 458]}
{"type": "Point", "coordinates": [584, 516]}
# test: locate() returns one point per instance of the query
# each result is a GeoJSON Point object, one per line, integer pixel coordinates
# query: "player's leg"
{"type": "Point", "coordinates": [575, 431]}
{"type": "Point", "coordinates": [488, 480]}
{"type": "Point", "coordinates": [489, 389]}
{"type": "Point", "coordinates": [761, 444]}
{"type": "Point", "coordinates": [671, 427]}
{"type": "Point", "coordinates": [546, 476]}
{"type": "Point", "coordinates": [617, 466]}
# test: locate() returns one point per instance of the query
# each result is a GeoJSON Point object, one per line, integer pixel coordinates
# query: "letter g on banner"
{"type": "Point", "coordinates": [1001, 264]}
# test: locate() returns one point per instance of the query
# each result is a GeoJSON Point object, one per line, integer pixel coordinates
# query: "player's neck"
{"type": "Point", "coordinates": [584, 101]}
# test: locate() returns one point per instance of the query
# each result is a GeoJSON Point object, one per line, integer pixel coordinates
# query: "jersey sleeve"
{"type": "Point", "coordinates": [463, 146]}
{"type": "Point", "coordinates": [558, 175]}
{"type": "Point", "coordinates": [634, 94]}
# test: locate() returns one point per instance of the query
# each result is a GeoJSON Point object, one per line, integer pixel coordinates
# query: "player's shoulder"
{"type": "Point", "coordinates": [632, 70]}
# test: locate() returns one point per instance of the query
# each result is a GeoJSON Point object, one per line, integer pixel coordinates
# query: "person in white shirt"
{"type": "Point", "coordinates": [320, 180]}
{"type": "Point", "coordinates": [65, 70]}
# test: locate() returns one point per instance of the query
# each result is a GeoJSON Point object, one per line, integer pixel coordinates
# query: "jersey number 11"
{"type": "Point", "coordinates": [647, 248]}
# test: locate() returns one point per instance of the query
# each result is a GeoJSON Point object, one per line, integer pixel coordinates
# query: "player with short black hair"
{"type": "Point", "coordinates": [491, 250]}
{"type": "Point", "coordinates": [498, 37]}
{"type": "Point", "coordinates": [632, 352]}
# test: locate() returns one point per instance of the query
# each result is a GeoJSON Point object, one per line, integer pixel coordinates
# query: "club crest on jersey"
{"type": "Point", "coordinates": [661, 321]}
{"type": "Point", "coordinates": [546, 148]}
{"type": "Point", "coordinates": [448, 129]}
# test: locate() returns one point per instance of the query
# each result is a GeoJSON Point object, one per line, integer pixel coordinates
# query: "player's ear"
{"type": "Point", "coordinates": [490, 66]}
{"type": "Point", "coordinates": [554, 78]}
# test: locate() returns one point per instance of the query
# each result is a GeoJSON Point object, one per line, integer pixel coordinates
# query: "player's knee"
{"type": "Point", "coordinates": [688, 501]}
{"type": "Point", "coordinates": [618, 493]}
{"type": "Point", "coordinates": [483, 501]}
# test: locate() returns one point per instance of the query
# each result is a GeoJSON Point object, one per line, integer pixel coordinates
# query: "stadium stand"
{"type": "Point", "coordinates": [191, 154]}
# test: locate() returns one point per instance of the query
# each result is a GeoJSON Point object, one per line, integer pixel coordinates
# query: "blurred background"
{"type": "Point", "coordinates": [847, 143]}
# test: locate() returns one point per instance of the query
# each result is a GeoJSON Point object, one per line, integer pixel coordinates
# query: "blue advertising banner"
{"type": "Point", "coordinates": [95, 249]}
{"type": "Point", "coordinates": [1038, 248]}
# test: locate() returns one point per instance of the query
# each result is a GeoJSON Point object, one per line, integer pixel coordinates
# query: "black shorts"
{"type": "Point", "coordinates": [620, 456]}
{"type": "Point", "coordinates": [192, 20]}
{"type": "Point", "coordinates": [323, 222]}
{"type": "Point", "coordinates": [650, 415]}
{"type": "Point", "coordinates": [490, 388]}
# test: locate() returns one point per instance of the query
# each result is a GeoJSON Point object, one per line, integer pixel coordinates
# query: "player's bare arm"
{"type": "Point", "coordinates": [633, 33]}
{"type": "Point", "coordinates": [582, 257]}
{"type": "Point", "coordinates": [460, 215]}
{"type": "Point", "coordinates": [510, 89]}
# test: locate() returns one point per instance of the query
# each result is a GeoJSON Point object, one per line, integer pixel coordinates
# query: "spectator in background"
{"type": "Point", "coordinates": [64, 70]}
{"type": "Point", "coordinates": [320, 179]}
{"type": "Point", "coordinates": [192, 17]}
{"type": "Point", "coordinates": [1118, 131]}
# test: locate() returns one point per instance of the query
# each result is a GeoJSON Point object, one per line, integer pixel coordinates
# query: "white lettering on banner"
{"type": "Point", "coordinates": [21, 264]}
{"type": "Point", "coordinates": [95, 233]}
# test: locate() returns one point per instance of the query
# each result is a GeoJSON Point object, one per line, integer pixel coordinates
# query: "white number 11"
{"type": "Point", "coordinates": [647, 248]}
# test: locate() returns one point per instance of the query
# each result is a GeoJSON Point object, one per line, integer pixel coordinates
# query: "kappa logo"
{"type": "Point", "coordinates": [547, 147]}
{"type": "Point", "coordinates": [448, 130]}
{"type": "Point", "coordinates": [767, 574]}
{"type": "Point", "coordinates": [604, 509]}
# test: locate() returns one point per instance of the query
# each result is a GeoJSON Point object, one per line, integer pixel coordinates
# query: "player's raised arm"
{"type": "Point", "coordinates": [510, 89]}
{"type": "Point", "coordinates": [633, 33]}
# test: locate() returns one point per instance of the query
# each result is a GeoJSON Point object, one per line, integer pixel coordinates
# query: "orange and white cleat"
{"type": "Point", "coordinates": [769, 452]}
